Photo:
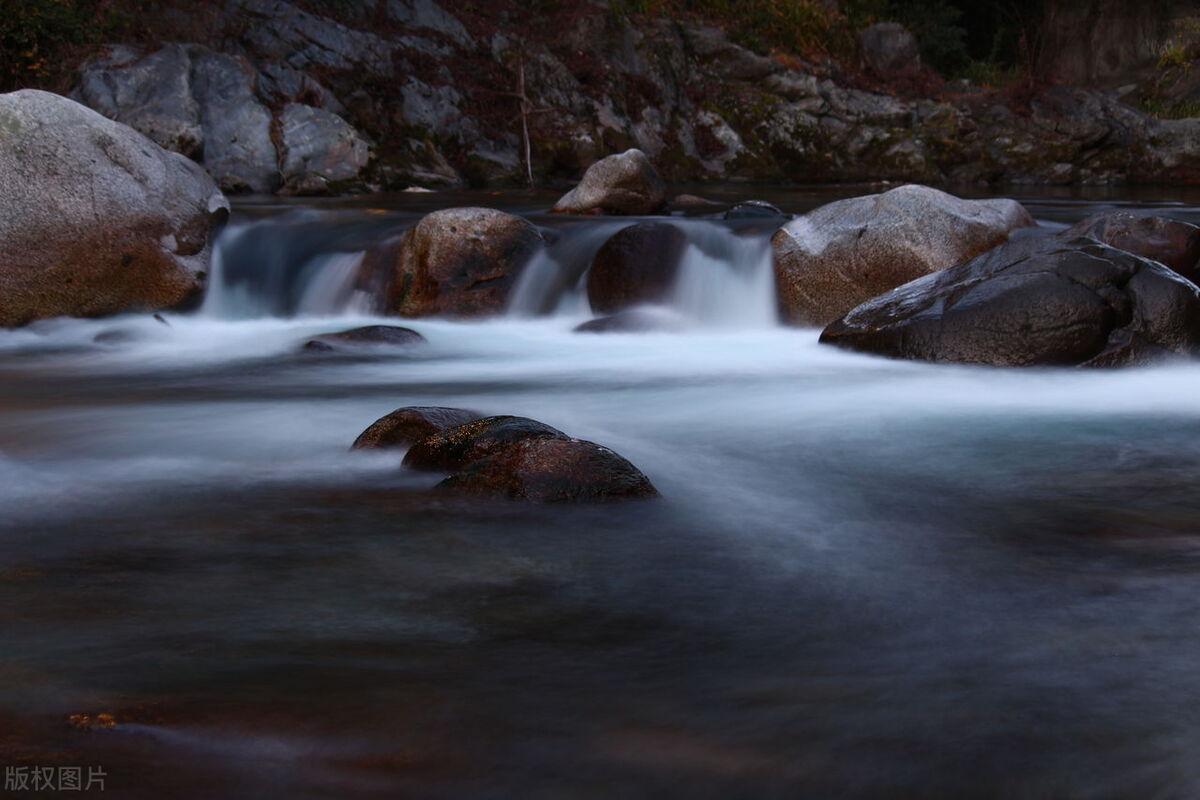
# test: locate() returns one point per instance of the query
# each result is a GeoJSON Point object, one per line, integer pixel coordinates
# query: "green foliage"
{"type": "Point", "coordinates": [1174, 55]}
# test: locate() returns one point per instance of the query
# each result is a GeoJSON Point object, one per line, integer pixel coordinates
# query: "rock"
{"type": "Point", "coordinates": [552, 470]}
{"type": "Point", "coordinates": [320, 150]}
{"type": "Point", "coordinates": [634, 320]}
{"type": "Point", "coordinates": [625, 183]}
{"type": "Point", "coordinates": [429, 15]}
{"type": "Point", "coordinates": [457, 262]}
{"type": "Point", "coordinates": [692, 202]}
{"type": "Point", "coordinates": [1168, 241]}
{"type": "Point", "coordinates": [192, 100]}
{"type": "Point", "coordinates": [1033, 301]}
{"type": "Point", "coordinates": [404, 426]}
{"type": "Point", "coordinates": [370, 336]}
{"type": "Point", "coordinates": [889, 49]}
{"type": "Point", "coordinates": [831, 259]}
{"type": "Point", "coordinates": [754, 209]}
{"type": "Point", "coordinates": [95, 218]}
{"type": "Point", "coordinates": [452, 449]}
{"type": "Point", "coordinates": [637, 265]}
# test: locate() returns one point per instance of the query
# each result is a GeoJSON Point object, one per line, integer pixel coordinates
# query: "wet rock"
{"type": "Point", "coordinates": [457, 262]}
{"type": "Point", "coordinates": [889, 49]}
{"type": "Point", "coordinates": [625, 183]}
{"type": "Point", "coordinates": [94, 217]}
{"type": "Point", "coordinates": [831, 259]}
{"type": "Point", "coordinates": [1168, 241]}
{"type": "Point", "coordinates": [754, 209]}
{"type": "Point", "coordinates": [634, 320]}
{"type": "Point", "coordinates": [636, 265]}
{"type": "Point", "coordinates": [369, 336]}
{"type": "Point", "coordinates": [321, 151]}
{"type": "Point", "coordinates": [552, 470]}
{"type": "Point", "coordinates": [452, 449]}
{"type": "Point", "coordinates": [692, 202]}
{"type": "Point", "coordinates": [404, 426]}
{"type": "Point", "coordinates": [1033, 301]}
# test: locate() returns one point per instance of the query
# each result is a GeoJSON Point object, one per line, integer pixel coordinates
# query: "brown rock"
{"type": "Point", "coordinates": [405, 426]}
{"type": "Point", "coordinates": [454, 448]}
{"type": "Point", "coordinates": [459, 262]}
{"type": "Point", "coordinates": [95, 218]}
{"type": "Point", "coordinates": [636, 265]}
{"type": "Point", "coordinates": [552, 470]}
{"type": "Point", "coordinates": [844, 253]}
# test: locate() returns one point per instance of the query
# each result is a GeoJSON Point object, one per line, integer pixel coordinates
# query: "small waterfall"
{"type": "Point", "coordinates": [726, 279]}
{"type": "Point", "coordinates": [552, 280]}
{"type": "Point", "coordinates": [301, 264]}
{"type": "Point", "coordinates": [725, 276]}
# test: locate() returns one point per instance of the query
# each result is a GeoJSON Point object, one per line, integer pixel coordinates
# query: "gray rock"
{"type": "Point", "coordinates": [889, 49]}
{"type": "Point", "coordinates": [320, 150]}
{"type": "Point", "coordinates": [151, 94]}
{"type": "Point", "coordinates": [194, 101]}
{"type": "Point", "coordinates": [279, 31]}
{"type": "Point", "coordinates": [238, 151]}
{"type": "Point", "coordinates": [625, 183]}
{"type": "Point", "coordinates": [429, 15]}
{"type": "Point", "coordinates": [279, 84]}
{"type": "Point", "coordinates": [831, 259]}
{"type": "Point", "coordinates": [95, 218]}
{"type": "Point", "coordinates": [1033, 301]}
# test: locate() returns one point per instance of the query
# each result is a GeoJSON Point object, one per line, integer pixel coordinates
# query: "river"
{"type": "Point", "coordinates": [865, 578]}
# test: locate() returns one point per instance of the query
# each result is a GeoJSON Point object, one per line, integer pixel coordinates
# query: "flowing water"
{"type": "Point", "coordinates": [865, 578]}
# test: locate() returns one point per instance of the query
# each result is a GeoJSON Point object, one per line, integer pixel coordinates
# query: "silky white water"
{"type": "Point", "coordinates": [864, 578]}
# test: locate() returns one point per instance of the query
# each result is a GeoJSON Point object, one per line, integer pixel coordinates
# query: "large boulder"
{"type": "Point", "coordinates": [831, 259]}
{"type": "Point", "coordinates": [404, 426]}
{"type": "Point", "coordinates": [1168, 241]}
{"type": "Point", "coordinates": [456, 262]}
{"type": "Point", "coordinates": [321, 152]}
{"type": "Point", "coordinates": [452, 449]}
{"type": "Point", "coordinates": [889, 49]}
{"type": "Point", "coordinates": [192, 100]}
{"type": "Point", "coordinates": [94, 217]}
{"type": "Point", "coordinates": [1033, 301]}
{"type": "Point", "coordinates": [635, 265]}
{"type": "Point", "coordinates": [625, 183]}
{"type": "Point", "coordinates": [552, 470]}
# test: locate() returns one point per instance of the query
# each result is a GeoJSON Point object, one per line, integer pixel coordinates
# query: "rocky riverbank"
{"type": "Point", "coordinates": [279, 98]}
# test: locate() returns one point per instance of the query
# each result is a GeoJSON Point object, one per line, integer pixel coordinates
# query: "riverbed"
{"type": "Point", "coordinates": [864, 577]}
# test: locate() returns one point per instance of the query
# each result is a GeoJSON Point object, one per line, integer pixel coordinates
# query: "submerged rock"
{"type": "Point", "coordinates": [636, 265]}
{"type": "Point", "coordinates": [754, 209]}
{"type": "Point", "coordinates": [1035, 301]}
{"type": "Point", "coordinates": [454, 448]}
{"type": "Point", "coordinates": [95, 218]}
{"type": "Point", "coordinates": [1168, 241]}
{"type": "Point", "coordinates": [634, 320]}
{"type": "Point", "coordinates": [456, 262]}
{"type": "Point", "coordinates": [625, 183]}
{"type": "Point", "coordinates": [370, 336]}
{"type": "Point", "coordinates": [552, 470]}
{"type": "Point", "coordinates": [404, 426]}
{"type": "Point", "coordinates": [831, 259]}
